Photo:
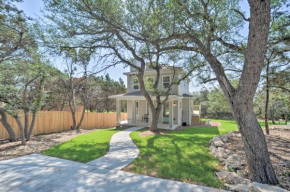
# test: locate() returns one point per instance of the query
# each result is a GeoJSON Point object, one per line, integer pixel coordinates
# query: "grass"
{"type": "Point", "coordinates": [228, 124]}
{"type": "Point", "coordinates": [84, 148]}
{"type": "Point", "coordinates": [180, 155]}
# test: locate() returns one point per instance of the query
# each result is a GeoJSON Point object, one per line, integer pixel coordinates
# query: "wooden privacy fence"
{"type": "Point", "coordinates": [58, 121]}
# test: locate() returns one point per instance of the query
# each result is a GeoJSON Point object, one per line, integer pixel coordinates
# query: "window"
{"type": "Point", "coordinates": [135, 84]}
{"type": "Point", "coordinates": [166, 81]}
{"type": "Point", "coordinates": [137, 108]}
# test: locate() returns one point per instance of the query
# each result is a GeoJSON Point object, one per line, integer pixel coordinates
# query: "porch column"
{"type": "Point", "coordinates": [179, 111]}
{"type": "Point", "coordinates": [171, 114]}
{"type": "Point", "coordinates": [133, 112]}
{"type": "Point", "coordinates": [118, 111]}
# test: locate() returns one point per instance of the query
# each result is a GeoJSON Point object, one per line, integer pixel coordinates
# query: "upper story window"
{"type": "Point", "coordinates": [166, 81]}
{"type": "Point", "coordinates": [135, 84]}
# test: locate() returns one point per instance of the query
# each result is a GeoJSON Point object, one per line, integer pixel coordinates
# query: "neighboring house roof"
{"type": "Point", "coordinates": [139, 94]}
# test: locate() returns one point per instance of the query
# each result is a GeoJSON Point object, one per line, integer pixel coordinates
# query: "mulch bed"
{"type": "Point", "coordinates": [278, 144]}
{"type": "Point", "coordinates": [9, 150]}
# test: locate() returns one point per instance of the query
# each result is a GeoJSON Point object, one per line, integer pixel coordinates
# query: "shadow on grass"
{"type": "Point", "coordinates": [84, 148]}
{"type": "Point", "coordinates": [181, 155]}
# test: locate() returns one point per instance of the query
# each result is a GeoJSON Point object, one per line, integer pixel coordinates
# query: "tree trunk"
{"type": "Point", "coordinates": [7, 126]}
{"type": "Point", "coordinates": [272, 115]}
{"type": "Point", "coordinates": [241, 98]}
{"type": "Point", "coordinates": [74, 120]}
{"type": "Point", "coordinates": [82, 118]}
{"type": "Point", "coordinates": [22, 134]}
{"type": "Point", "coordinates": [28, 137]}
{"type": "Point", "coordinates": [26, 123]}
{"type": "Point", "coordinates": [267, 99]}
{"type": "Point", "coordinates": [255, 145]}
{"type": "Point", "coordinates": [286, 119]}
{"type": "Point", "coordinates": [155, 117]}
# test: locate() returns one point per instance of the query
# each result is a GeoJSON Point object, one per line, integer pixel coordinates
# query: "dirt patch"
{"type": "Point", "coordinates": [202, 124]}
{"type": "Point", "coordinates": [37, 144]}
{"type": "Point", "coordinates": [278, 145]}
{"type": "Point", "coordinates": [215, 124]}
{"type": "Point", "coordinates": [148, 133]}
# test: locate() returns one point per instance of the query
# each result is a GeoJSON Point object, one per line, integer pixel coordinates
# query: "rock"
{"type": "Point", "coordinates": [224, 138]}
{"type": "Point", "coordinates": [212, 149]}
{"type": "Point", "coordinates": [241, 173]}
{"type": "Point", "coordinates": [235, 162]}
{"type": "Point", "coordinates": [231, 178]}
{"type": "Point", "coordinates": [218, 143]}
{"type": "Point", "coordinates": [238, 187]}
{"type": "Point", "coordinates": [213, 140]}
{"type": "Point", "coordinates": [225, 155]}
{"type": "Point", "coordinates": [254, 187]}
{"type": "Point", "coordinates": [218, 152]}
{"type": "Point", "coordinates": [259, 187]}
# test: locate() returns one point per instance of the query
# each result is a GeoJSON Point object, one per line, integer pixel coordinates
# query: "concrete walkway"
{"type": "Point", "coordinates": [42, 173]}
{"type": "Point", "coordinates": [122, 151]}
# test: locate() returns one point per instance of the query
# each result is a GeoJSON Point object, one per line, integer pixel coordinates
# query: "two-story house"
{"type": "Point", "coordinates": [177, 111]}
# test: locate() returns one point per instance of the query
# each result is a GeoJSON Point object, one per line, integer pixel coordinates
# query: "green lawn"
{"type": "Point", "coordinates": [180, 155]}
{"type": "Point", "coordinates": [84, 148]}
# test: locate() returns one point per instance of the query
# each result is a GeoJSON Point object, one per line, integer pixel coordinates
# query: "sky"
{"type": "Point", "coordinates": [32, 8]}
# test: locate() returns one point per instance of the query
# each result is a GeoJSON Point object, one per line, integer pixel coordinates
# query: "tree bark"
{"type": "Point", "coordinates": [22, 134]}
{"type": "Point", "coordinates": [255, 145]}
{"type": "Point", "coordinates": [26, 123]}
{"type": "Point", "coordinates": [74, 119]}
{"type": "Point", "coordinates": [7, 126]}
{"type": "Point", "coordinates": [267, 99]}
{"type": "Point", "coordinates": [155, 117]}
{"type": "Point", "coordinates": [82, 118]}
{"type": "Point", "coordinates": [28, 137]}
{"type": "Point", "coordinates": [286, 119]}
{"type": "Point", "coordinates": [241, 98]}
{"type": "Point", "coordinates": [272, 115]}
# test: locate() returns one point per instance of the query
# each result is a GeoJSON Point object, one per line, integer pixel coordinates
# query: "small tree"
{"type": "Point", "coordinates": [22, 91]}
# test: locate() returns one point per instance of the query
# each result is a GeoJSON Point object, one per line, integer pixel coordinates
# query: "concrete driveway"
{"type": "Point", "coordinates": [42, 173]}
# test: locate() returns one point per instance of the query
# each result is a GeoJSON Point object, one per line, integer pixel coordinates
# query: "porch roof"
{"type": "Point", "coordinates": [138, 95]}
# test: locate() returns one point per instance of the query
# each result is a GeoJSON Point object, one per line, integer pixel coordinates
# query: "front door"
{"type": "Point", "coordinates": [165, 112]}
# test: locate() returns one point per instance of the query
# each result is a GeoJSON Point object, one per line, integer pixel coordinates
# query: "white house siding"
{"type": "Point", "coordinates": [160, 84]}
{"type": "Point", "coordinates": [183, 87]}
{"type": "Point", "coordinates": [142, 110]}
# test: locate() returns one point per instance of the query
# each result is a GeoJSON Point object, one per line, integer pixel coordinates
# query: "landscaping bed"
{"type": "Point", "coordinates": [228, 149]}
{"type": "Point", "coordinates": [9, 150]}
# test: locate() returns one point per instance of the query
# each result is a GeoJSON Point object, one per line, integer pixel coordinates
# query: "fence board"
{"type": "Point", "coordinates": [58, 121]}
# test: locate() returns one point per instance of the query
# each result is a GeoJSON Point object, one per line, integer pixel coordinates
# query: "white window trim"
{"type": "Point", "coordinates": [166, 82]}
{"type": "Point", "coordinates": [137, 108]}
{"type": "Point", "coordinates": [134, 83]}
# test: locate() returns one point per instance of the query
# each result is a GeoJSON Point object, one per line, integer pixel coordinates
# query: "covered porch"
{"type": "Point", "coordinates": [175, 112]}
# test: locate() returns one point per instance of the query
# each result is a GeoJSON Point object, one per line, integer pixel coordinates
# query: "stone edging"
{"type": "Point", "coordinates": [234, 173]}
